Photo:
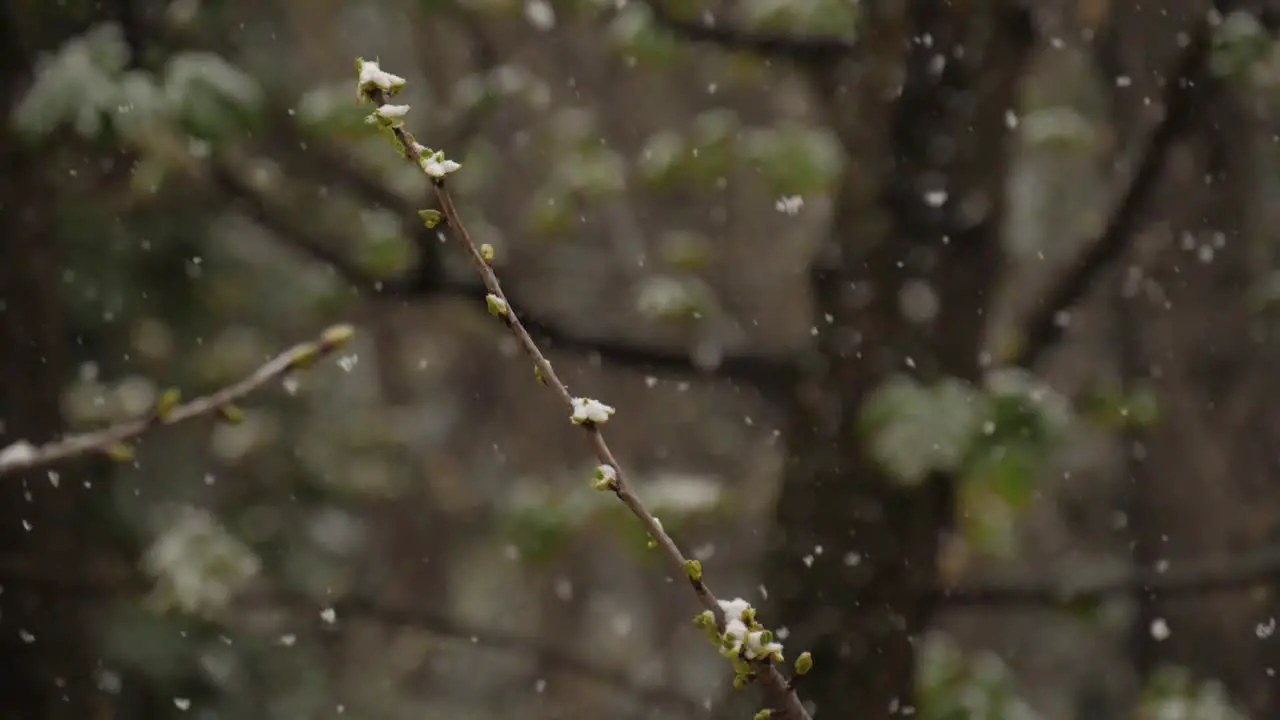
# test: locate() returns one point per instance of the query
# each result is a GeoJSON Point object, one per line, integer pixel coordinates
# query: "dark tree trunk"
{"type": "Point", "coordinates": [45, 665]}
{"type": "Point", "coordinates": [921, 202]}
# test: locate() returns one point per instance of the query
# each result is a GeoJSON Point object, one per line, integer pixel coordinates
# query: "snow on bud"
{"type": "Point", "coordinates": [373, 78]}
{"type": "Point", "coordinates": [606, 478]}
{"type": "Point", "coordinates": [18, 453]}
{"type": "Point", "coordinates": [589, 411]}
{"type": "Point", "coordinates": [391, 116]}
{"type": "Point", "coordinates": [437, 166]}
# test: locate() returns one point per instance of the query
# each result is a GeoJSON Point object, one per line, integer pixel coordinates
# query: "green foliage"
{"type": "Point", "coordinates": [792, 159]}
{"type": "Point", "coordinates": [328, 111]}
{"type": "Point", "coordinates": [1240, 41]}
{"type": "Point", "coordinates": [915, 429]}
{"type": "Point", "coordinates": [955, 687]}
{"type": "Point", "coordinates": [827, 17]}
{"type": "Point", "coordinates": [542, 522]}
{"type": "Point", "coordinates": [1058, 127]}
{"type": "Point", "coordinates": [1173, 692]}
{"type": "Point", "coordinates": [994, 439]}
{"type": "Point", "coordinates": [85, 87]}
{"type": "Point", "coordinates": [1115, 409]}
{"type": "Point", "coordinates": [638, 39]}
{"type": "Point", "coordinates": [209, 97]}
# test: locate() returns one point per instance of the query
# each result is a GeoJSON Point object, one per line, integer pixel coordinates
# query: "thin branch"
{"type": "Point", "coordinates": [798, 48]}
{"type": "Point", "coordinates": [1190, 87]}
{"type": "Point", "coordinates": [23, 456]}
{"type": "Point", "coordinates": [777, 687]}
{"type": "Point", "coordinates": [1172, 579]}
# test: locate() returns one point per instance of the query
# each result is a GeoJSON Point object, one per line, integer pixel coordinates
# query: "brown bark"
{"type": "Point", "coordinates": [858, 605]}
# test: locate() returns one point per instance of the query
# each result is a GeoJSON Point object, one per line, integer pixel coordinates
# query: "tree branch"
{"type": "Point", "coordinates": [798, 48]}
{"type": "Point", "coordinates": [1191, 86]}
{"type": "Point", "coordinates": [23, 456]}
{"type": "Point", "coordinates": [588, 414]}
{"type": "Point", "coordinates": [1189, 578]}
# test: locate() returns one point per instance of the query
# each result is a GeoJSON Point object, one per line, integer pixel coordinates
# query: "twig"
{"type": "Point", "coordinates": [23, 456]}
{"type": "Point", "coordinates": [777, 687]}
{"type": "Point", "coordinates": [1195, 577]}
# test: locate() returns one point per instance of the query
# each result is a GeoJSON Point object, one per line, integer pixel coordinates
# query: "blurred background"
{"type": "Point", "coordinates": [942, 332]}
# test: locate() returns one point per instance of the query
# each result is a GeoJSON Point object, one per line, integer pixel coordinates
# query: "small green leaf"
{"type": "Point", "coordinates": [804, 663]}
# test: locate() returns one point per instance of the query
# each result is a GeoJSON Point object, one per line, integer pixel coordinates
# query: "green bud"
{"type": "Point", "coordinates": [693, 569]}
{"type": "Point", "coordinates": [120, 452]}
{"type": "Point", "coordinates": [497, 306]}
{"type": "Point", "coordinates": [336, 336]}
{"type": "Point", "coordinates": [430, 218]}
{"type": "Point", "coordinates": [764, 714]}
{"type": "Point", "coordinates": [230, 414]}
{"type": "Point", "coordinates": [169, 400]}
{"type": "Point", "coordinates": [740, 681]}
{"type": "Point", "coordinates": [804, 663]}
{"type": "Point", "coordinates": [486, 252]}
{"type": "Point", "coordinates": [605, 478]}
{"type": "Point", "coordinates": [304, 356]}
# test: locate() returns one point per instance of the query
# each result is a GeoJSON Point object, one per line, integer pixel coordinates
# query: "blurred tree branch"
{"type": "Point", "coordinates": [1191, 86]}
{"type": "Point", "coordinates": [22, 456]}
{"type": "Point", "coordinates": [798, 48]}
{"type": "Point", "coordinates": [116, 578]}
{"type": "Point", "coordinates": [764, 372]}
{"type": "Point", "coordinates": [1180, 578]}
